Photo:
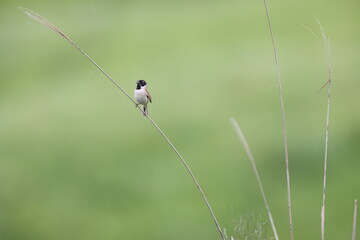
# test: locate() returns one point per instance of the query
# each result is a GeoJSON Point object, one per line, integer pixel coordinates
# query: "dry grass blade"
{"type": "Point", "coordinates": [326, 43]}
{"type": "Point", "coordinates": [253, 164]}
{"type": "Point", "coordinates": [43, 21]}
{"type": "Point", "coordinates": [354, 221]}
{"type": "Point", "coordinates": [192, 176]}
{"type": "Point", "coordinates": [283, 123]}
{"type": "Point", "coordinates": [51, 26]}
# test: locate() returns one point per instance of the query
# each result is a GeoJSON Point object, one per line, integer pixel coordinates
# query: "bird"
{"type": "Point", "coordinates": [142, 96]}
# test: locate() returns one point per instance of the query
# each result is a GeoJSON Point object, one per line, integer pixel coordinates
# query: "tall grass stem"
{"type": "Point", "coordinates": [326, 43]}
{"type": "Point", "coordinates": [51, 26]}
{"type": "Point", "coordinates": [354, 221]}
{"type": "Point", "coordinates": [253, 164]}
{"type": "Point", "coordinates": [283, 123]}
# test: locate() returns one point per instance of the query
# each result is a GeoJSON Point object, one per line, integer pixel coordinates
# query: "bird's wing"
{"type": "Point", "coordinates": [148, 95]}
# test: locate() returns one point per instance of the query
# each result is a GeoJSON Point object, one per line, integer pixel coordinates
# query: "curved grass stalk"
{"type": "Point", "coordinates": [51, 26]}
{"type": "Point", "coordinates": [253, 164]}
{"type": "Point", "coordinates": [283, 123]}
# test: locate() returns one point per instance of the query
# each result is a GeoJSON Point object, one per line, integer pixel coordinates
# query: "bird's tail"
{"type": "Point", "coordinates": [145, 110]}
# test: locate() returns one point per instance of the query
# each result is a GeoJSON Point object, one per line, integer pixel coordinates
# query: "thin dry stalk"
{"type": "Point", "coordinates": [253, 164]}
{"type": "Point", "coordinates": [51, 26]}
{"type": "Point", "coordinates": [326, 43]}
{"type": "Point", "coordinates": [283, 123]}
{"type": "Point", "coordinates": [354, 221]}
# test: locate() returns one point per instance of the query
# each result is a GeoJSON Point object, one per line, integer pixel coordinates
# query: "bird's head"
{"type": "Point", "coordinates": [140, 84]}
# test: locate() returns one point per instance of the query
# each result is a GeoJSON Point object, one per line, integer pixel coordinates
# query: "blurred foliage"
{"type": "Point", "coordinates": [250, 227]}
{"type": "Point", "coordinates": [78, 161]}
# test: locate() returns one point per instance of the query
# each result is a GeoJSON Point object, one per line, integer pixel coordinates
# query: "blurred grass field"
{"type": "Point", "coordinates": [78, 161]}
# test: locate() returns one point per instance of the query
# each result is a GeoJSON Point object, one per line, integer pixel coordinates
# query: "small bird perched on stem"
{"type": "Point", "coordinates": [142, 96]}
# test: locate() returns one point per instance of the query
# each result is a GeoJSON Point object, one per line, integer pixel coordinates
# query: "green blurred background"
{"type": "Point", "coordinates": [78, 161]}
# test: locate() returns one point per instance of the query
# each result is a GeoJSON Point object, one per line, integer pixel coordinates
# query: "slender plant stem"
{"type": "Point", "coordinates": [191, 174]}
{"type": "Point", "coordinates": [326, 43]}
{"type": "Point", "coordinates": [325, 165]}
{"type": "Point", "coordinates": [253, 164]}
{"type": "Point", "coordinates": [354, 221]}
{"type": "Point", "coordinates": [283, 123]}
{"type": "Point", "coordinates": [51, 26]}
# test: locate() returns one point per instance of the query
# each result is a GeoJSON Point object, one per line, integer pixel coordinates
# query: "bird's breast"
{"type": "Point", "coordinates": [140, 96]}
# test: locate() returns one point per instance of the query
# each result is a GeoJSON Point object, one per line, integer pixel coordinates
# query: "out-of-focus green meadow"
{"type": "Point", "coordinates": [78, 161]}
